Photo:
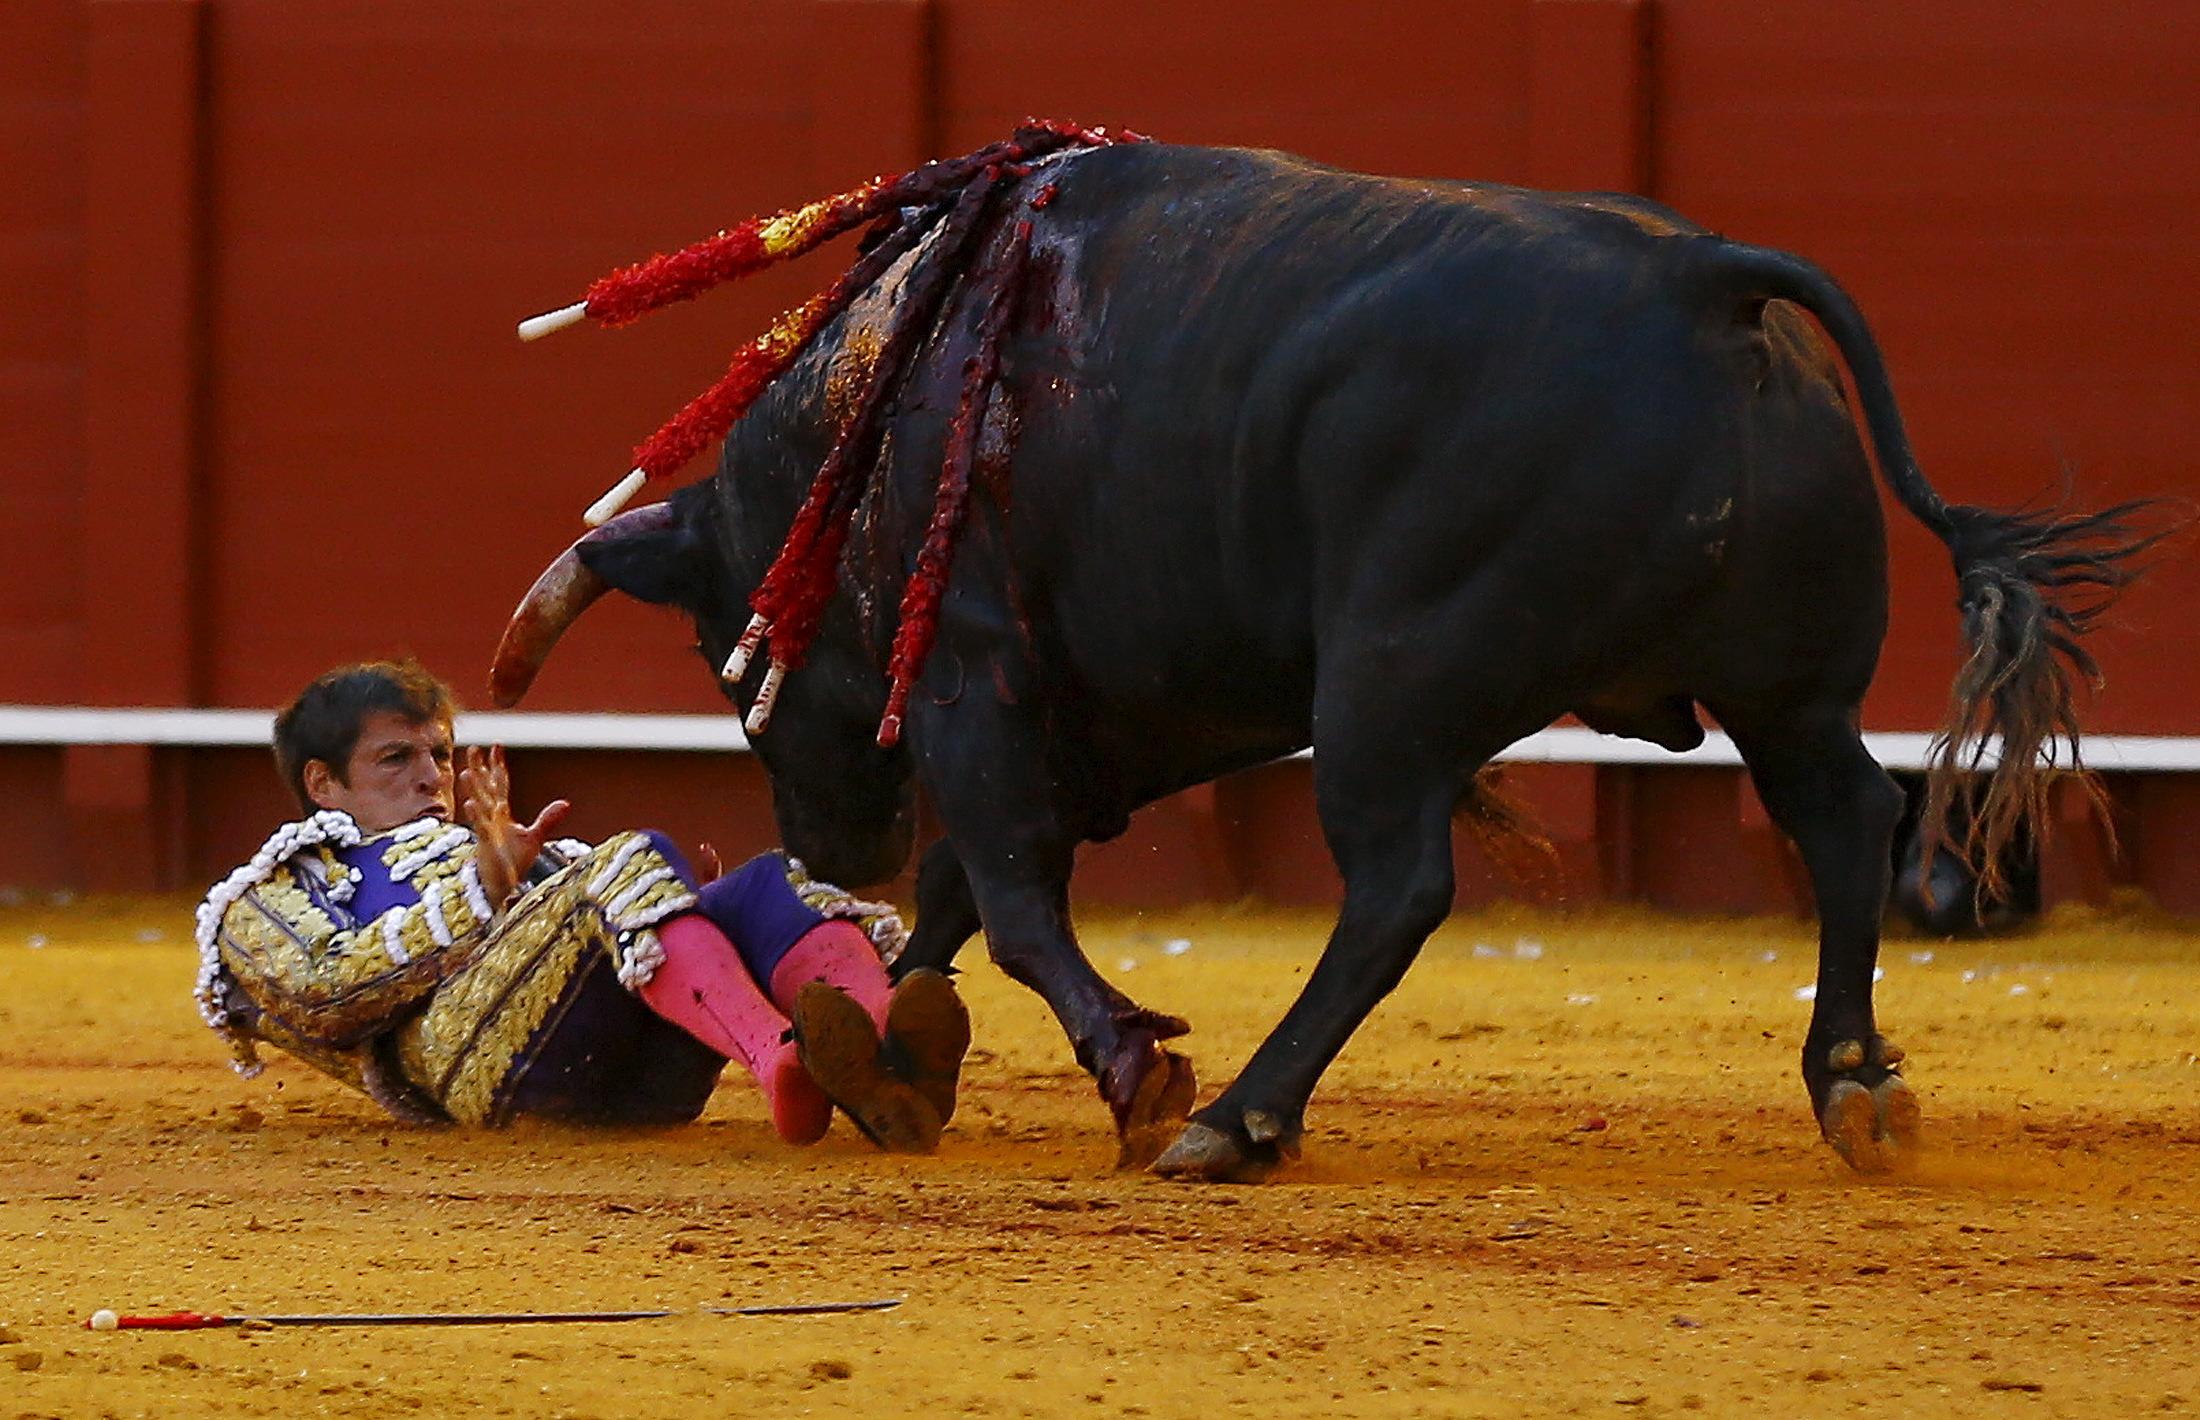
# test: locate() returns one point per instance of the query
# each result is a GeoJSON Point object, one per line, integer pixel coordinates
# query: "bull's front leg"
{"type": "Point", "coordinates": [1015, 855]}
{"type": "Point", "coordinates": [1148, 1088]}
{"type": "Point", "coordinates": [947, 915]}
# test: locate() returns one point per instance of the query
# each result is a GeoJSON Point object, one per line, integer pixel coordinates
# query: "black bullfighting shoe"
{"type": "Point", "coordinates": [927, 1035]}
{"type": "Point", "coordinates": [840, 1048]}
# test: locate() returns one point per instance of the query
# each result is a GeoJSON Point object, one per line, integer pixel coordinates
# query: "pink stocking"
{"type": "Point", "coordinates": [838, 954]}
{"type": "Point", "coordinates": [703, 988]}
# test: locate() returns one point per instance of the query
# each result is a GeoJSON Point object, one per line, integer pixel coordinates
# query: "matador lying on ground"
{"type": "Point", "coordinates": [481, 971]}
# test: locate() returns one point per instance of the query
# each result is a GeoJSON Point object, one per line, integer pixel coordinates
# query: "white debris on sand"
{"type": "Point", "coordinates": [1528, 949]}
{"type": "Point", "coordinates": [1176, 946]}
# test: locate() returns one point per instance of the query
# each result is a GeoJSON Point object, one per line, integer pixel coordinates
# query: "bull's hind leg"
{"type": "Point", "coordinates": [1824, 790]}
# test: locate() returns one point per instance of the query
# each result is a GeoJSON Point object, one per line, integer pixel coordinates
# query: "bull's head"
{"type": "Point", "coordinates": [844, 805]}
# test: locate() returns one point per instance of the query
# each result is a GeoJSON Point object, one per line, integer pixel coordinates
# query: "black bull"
{"type": "Point", "coordinates": [1402, 471]}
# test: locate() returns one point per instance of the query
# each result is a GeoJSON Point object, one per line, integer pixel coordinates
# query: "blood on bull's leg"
{"type": "Point", "coordinates": [1148, 1088]}
{"type": "Point", "coordinates": [1825, 791]}
{"type": "Point", "coordinates": [982, 756]}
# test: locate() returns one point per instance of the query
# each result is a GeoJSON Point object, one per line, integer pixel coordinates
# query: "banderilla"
{"type": "Point", "coordinates": [104, 1320]}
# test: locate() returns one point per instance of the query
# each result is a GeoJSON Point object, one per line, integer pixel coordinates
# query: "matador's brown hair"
{"type": "Point", "coordinates": [324, 721]}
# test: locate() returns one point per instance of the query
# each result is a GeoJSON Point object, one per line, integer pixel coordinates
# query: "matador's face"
{"type": "Point", "coordinates": [399, 770]}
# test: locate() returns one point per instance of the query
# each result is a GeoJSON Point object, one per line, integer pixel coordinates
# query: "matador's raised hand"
{"type": "Point", "coordinates": [506, 849]}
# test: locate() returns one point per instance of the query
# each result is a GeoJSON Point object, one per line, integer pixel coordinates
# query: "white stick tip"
{"type": "Point", "coordinates": [604, 509]}
{"type": "Point", "coordinates": [536, 327]}
{"type": "Point", "coordinates": [752, 636]}
{"type": "Point", "coordinates": [767, 694]}
{"type": "Point", "coordinates": [104, 1320]}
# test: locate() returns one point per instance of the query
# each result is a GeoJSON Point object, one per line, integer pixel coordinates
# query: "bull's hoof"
{"type": "Point", "coordinates": [1151, 1096]}
{"type": "Point", "coordinates": [1149, 1090]}
{"type": "Point", "coordinates": [1868, 1112]}
{"type": "Point", "coordinates": [1205, 1154]}
{"type": "Point", "coordinates": [1899, 1115]}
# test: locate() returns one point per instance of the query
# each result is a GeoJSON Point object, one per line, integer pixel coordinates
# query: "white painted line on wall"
{"type": "Point", "coordinates": [85, 725]}
{"type": "Point", "coordinates": [1894, 749]}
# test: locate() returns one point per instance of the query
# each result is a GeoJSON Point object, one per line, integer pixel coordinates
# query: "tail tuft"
{"type": "Point", "coordinates": [2033, 582]}
{"type": "Point", "coordinates": [1507, 832]}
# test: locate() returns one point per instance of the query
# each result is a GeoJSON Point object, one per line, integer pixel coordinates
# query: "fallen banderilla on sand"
{"type": "Point", "coordinates": [104, 1320]}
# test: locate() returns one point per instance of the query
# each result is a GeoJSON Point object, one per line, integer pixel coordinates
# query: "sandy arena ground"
{"type": "Point", "coordinates": [1567, 1170]}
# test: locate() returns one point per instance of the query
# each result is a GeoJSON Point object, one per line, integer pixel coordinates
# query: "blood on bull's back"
{"type": "Point", "coordinates": [1329, 396]}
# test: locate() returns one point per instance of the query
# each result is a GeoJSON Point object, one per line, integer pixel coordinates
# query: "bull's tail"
{"type": "Point", "coordinates": [1508, 834]}
{"type": "Point", "coordinates": [2033, 581]}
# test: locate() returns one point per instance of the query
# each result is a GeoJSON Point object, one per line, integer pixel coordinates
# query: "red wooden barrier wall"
{"type": "Point", "coordinates": [264, 412]}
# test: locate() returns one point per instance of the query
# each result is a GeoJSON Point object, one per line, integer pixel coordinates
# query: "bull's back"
{"type": "Point", "coordinates": [1262, 375]}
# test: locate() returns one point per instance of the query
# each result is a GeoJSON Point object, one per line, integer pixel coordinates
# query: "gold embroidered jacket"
{"type": "Point", "coordinates": [285, 960]}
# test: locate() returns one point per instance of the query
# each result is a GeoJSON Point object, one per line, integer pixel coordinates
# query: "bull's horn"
{"type": "Point", "coordinates": [564, 590]}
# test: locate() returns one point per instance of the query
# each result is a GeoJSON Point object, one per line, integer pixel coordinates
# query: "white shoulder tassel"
{"type": "Point", "coordinates": [406, 867]}
{"type": "Point", "coordinates": [439, 927]}
{"type": "Point", "coordinates": [393, 936]}
{"type": "Point", "coordinates": [477, 897]}
{"type": "Point", "coordinates": [327, 826]}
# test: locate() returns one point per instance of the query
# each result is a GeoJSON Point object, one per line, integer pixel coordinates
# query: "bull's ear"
{"type": "Point", "coordinates": [666, 562]}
